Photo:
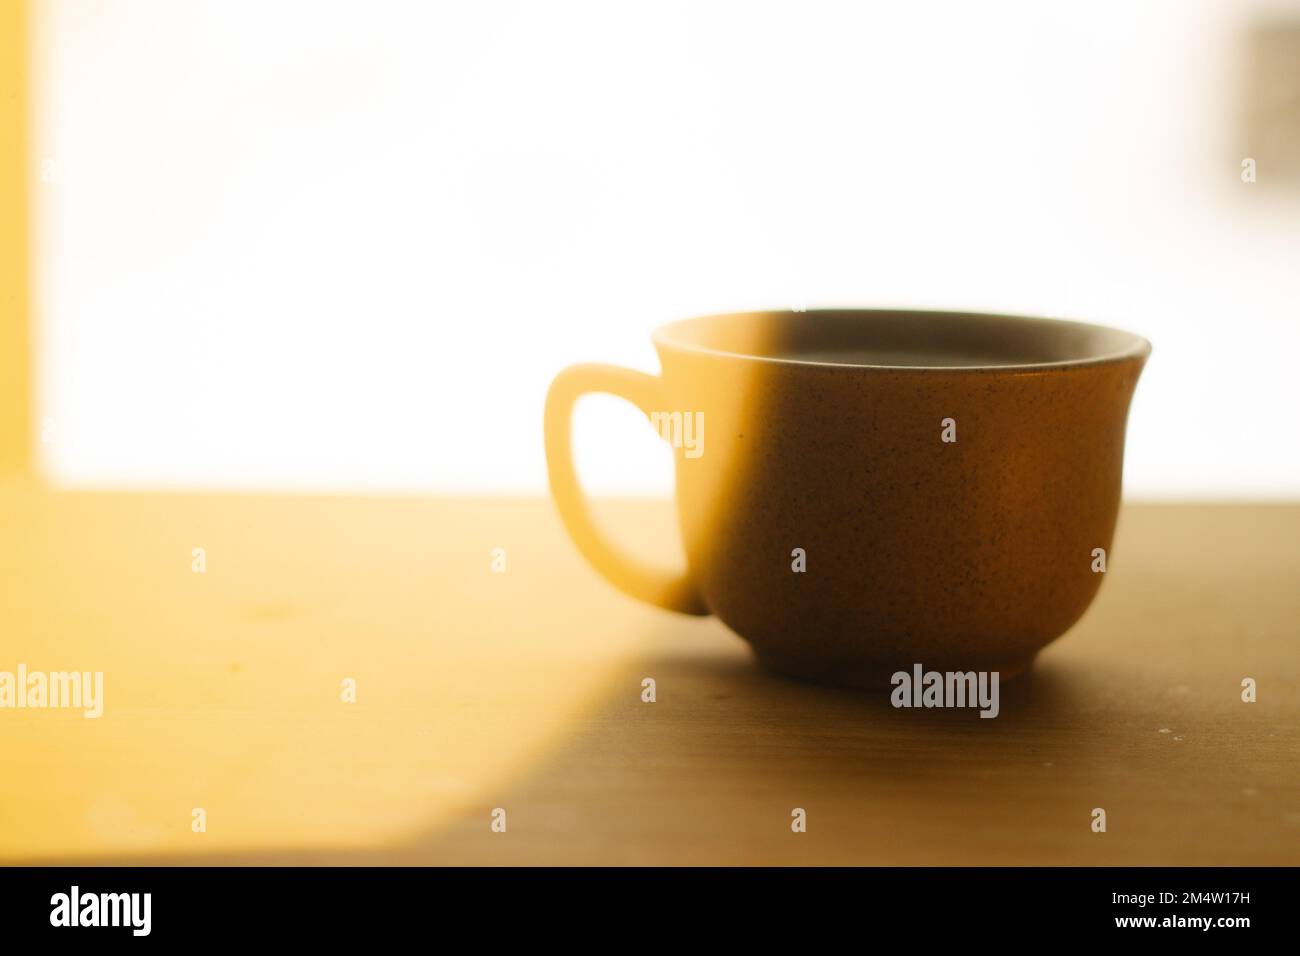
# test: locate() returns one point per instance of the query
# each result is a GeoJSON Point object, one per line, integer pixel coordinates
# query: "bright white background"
{"type": "Point", "coordinates": [346, 245]}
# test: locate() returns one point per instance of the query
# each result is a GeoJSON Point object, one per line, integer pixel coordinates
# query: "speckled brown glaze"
{"type": "Point", "coordinates": [969, 555]}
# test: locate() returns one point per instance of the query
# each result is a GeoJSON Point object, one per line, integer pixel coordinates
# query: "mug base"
{"type": "Point", "coordinates": [875, 675]}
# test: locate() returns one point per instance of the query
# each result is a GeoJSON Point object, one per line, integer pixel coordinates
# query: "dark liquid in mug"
{"type": "Point", "coordinates": [905, 358]}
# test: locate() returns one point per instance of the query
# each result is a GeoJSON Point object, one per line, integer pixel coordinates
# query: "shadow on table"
{"type": "Point", "coordinates": [713, 770]}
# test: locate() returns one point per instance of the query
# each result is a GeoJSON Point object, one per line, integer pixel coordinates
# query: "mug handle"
{"type": "Point", "coordinates": [666, 590]}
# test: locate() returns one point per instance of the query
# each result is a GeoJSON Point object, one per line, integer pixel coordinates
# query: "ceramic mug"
{"type": "Point", "coordinates": [863, 490]}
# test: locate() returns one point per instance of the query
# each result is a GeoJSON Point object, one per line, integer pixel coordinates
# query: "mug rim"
{"type": "Point", "coordinates": [1138, 347]}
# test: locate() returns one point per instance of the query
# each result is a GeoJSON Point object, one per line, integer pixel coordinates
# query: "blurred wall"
{"type": "Point", "coordinates": [15, 330]}
{"type": "Point", "coordinates": [346, 245]}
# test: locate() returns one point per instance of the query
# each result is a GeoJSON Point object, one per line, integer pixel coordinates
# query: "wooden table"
{"type": "Point", "coordinates": [522, 690]}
